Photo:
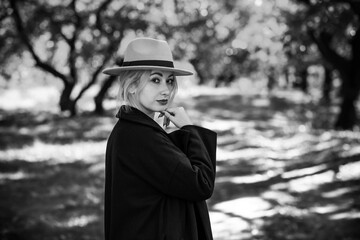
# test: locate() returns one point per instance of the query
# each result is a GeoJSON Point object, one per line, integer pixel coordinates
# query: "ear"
{"type": "Point", "coordinates": [132, 89]}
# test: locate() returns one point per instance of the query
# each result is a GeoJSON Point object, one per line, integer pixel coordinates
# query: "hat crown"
{"type": "Point", "coordinates": [147, 54]}
{"type": "Point", "coordinates": [147, 49]}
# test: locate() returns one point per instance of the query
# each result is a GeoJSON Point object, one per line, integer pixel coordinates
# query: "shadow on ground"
{"type": "Point", "coordinates": [280, 174]}
{"type": "Point", "coordinates": [22, 128]}
{"type": "Point", "coordinates": [45, 200]}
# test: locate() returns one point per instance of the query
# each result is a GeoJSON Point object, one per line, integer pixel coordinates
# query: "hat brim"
{"type": "Point", "coordinates": [115, 71]}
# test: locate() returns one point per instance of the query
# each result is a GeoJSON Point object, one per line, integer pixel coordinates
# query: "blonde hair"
{"type": "Point", "coordinates": [136, 79]}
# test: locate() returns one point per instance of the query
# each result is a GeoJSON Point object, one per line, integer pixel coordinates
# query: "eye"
{"type": "Point", "coordinates": [155, 80]}
{"type": "Point", "coordinates": [170, 81]}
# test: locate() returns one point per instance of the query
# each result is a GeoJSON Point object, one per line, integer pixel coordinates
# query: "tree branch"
{"type": "Point", "coordinates": [4, 10]}
{"type": "Point", "coordinates": [67, 40]}
{"type": "Point", "coordinates": [113, 46]}
{"type": "Point", "coordinates": [102, 7]}
{"type": "Point", "coordinates": [72, 41]}
{"type": "Point", "coordinates": [22, 33]}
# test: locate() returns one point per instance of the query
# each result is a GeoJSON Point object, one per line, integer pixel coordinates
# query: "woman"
{"type": "Point", "coordinates": [156, 183]}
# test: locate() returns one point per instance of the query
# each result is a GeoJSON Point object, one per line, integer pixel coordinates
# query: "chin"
{"type": "Point", "coordinates": [163, 108]}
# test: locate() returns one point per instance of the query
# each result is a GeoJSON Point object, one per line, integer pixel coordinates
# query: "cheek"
{"type": "Point", "coordinates": [146, 94]}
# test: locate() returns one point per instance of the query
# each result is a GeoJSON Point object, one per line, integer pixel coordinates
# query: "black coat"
{"type": "Point", "coordinates": [157, 183]}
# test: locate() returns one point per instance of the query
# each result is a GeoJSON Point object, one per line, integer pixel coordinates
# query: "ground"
{"type": "Point", "coordinates": [282, 173]}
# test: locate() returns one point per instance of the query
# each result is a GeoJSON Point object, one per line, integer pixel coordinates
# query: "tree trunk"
{"type": "Point", "coordinates": [327, 84]}
{"type": "Point", "coordinates": [347, 118]}
{"type": "Point", "coordinates": [271, 79]}
{"type": "Point", "coordinates": [66, 103]}
{"type": "Point", "coordinates": [303, 74]}
{"type": "Point", "coordinates": [287, 77]}
{"type": "Point", "coordinates": [99, 98]}
{"type": "Point", "coordinates": [195, 63]}
{"type": "Point", "coordinates": [348, 69]}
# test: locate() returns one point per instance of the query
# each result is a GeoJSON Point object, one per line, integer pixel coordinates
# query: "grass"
{"type": "Point", "coordinates": [282, 172]}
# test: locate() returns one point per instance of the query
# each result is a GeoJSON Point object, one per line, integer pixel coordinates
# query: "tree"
{"type": "Point", "coordinates": [198, 33]}
{"type": "Point", "coordinates": [81, 38]}
{"type": "Point", "coordinates": [256, 49]}
{"type": "Point", "coordinates": [9, 41]}
{"type": "Point", "coordinates": [327, 84]}
{"type": "Point", "coordinates": [334, 26]}
{"type": "Point", "coordinates": [100, 96]}
{"type": "Point", "coordinates": [300, 50]}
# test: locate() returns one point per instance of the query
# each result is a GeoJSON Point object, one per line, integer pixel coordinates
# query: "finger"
{"type": "Point", "coordinates": [161, 114]}
{"type": "Point", "coordinates": [166, 122]}
{"type": "Point", "coordinates": [171, 113]}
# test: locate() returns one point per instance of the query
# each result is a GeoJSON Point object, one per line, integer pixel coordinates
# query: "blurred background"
{"type": "Point", "coordinates": [278, 80]}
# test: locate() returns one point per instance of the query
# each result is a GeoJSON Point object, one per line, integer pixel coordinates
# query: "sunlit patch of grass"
{"type": "Point", "coordinates": [13, 176]}
{"type": "Point", "coordinates": [58, 153]}
{"type": "Point", "coordinates": [338, 192]}
{"type": "Point", "coordinates": [304, 171]}
{"type": "Point", "coordinates": [248, 179]}
{"type": "Point", "coordinates": [350, 171]}
{"type": "Point", "coordinates": [74, 221]}
{"type": "Point", "coordinates": [246, 207]}
{"type": "Point", "coordinates": [310, 182]}
{"type": "Point", "coordinates": [228, 227]}
{"type": "Point", "coordinates": [281, 198]}
{"type": "Point", "coordinates": [39, 97]}
{"type": "Point", "coordinates": [355, 214]}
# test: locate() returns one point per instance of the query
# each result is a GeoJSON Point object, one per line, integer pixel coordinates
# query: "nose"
{"type": "Point", "coordinates": [165, 89]}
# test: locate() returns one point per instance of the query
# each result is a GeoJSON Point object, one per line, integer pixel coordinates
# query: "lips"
{"type": "Point", "coordinates": [162, 101]}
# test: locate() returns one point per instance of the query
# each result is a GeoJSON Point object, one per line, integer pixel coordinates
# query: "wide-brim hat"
{"type": "Point", "coordinates": [147, 54]}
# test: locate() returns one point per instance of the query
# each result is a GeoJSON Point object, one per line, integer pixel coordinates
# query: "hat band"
{"type": "Point", "coordinates": [158, 63]}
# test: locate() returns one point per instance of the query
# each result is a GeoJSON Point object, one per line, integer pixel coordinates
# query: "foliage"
{"type": "Point", "coordinates": [223, 40]}
{"type": "Point", "coordinates": [335, 19]}
{"type": "Point", "coordinates": [9, 42]}
{"type": "Point", "coordinates": [300, 50]}
{"type": "Point", "coordinates": [334, 27]}
{"type": "Point", "coordinates": [74, 40]}
{"type": "Point", "coordinates": [217, 37]}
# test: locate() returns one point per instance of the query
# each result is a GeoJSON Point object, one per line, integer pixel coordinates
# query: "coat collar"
{"type": "Point", "coordinates": [135, 115]}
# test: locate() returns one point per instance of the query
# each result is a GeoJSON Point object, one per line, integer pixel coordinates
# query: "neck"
{"type": "Point", "coordinates": [151, 114]}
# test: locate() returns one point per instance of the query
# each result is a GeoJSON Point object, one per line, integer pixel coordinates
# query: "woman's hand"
{"type": "Point", "coordinates": [177, 116]}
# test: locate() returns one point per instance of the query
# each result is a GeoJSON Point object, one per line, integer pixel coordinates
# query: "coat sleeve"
{"type": "Point", "coordinates": [180, 165]}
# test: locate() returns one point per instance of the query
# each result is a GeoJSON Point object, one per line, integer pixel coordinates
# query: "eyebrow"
{"type": "Point", "coordinates": [158, 73]}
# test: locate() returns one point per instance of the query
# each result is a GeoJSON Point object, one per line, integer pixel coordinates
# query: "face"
{"type": "Point", "coordinates": [155, 94]}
